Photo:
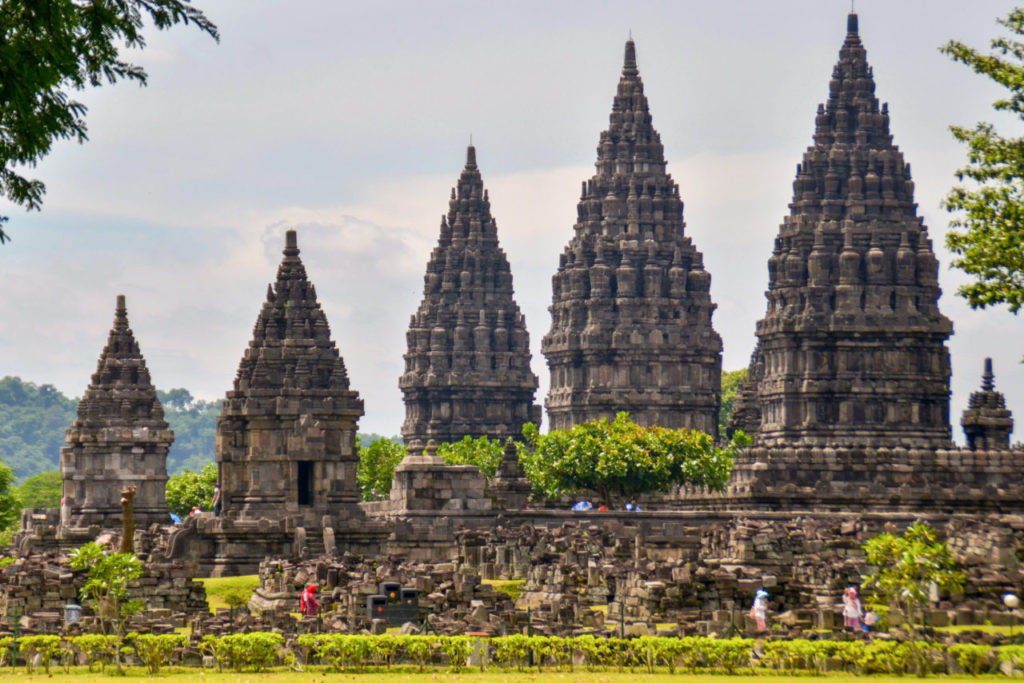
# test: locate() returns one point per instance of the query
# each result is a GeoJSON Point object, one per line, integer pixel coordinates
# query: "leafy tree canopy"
{"type": "Point", "coordinates": [620, 460]}
{"type": "Point", "coordinates": [731, 381]}
{"type": "Point", "coordinates": [906, 566]}
{"type": "Point", "coordinates": [41, 490]}
{"type": "Point", "coordinates": [51, 48]}
{"type": "Point", "coordinates": [988, 221]}
{"type": "Point", "coordinates": [106, 588]}
{"type": "Point", "coordinates": [482, 452]}
{"type": "Point", "coordinates": [188, 489]}
{"type": "Point", "coordinates": [376, 468]}
{"type": "Point", "coordinates": [10, 504]}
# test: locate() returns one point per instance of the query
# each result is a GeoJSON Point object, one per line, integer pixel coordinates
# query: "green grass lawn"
{"type": "Point", "coordinates": [984, 628]}
{"type": "Point", "coordinates": [513, 588]}
{"type": "Point", "coordinates": [220, 590]}
{"type": "Point", "coordinates": [319, 675]}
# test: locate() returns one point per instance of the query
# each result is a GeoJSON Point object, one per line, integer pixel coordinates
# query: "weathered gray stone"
{"type": "Point", "coordinates": [119, 438]}
{"type": "Point", "coordinates": [467, 368]}
{"type": "Point", "coordinates": [986, 422]}
{"type": "Point", "coordinates": [631, 311]}
{"type": "Point", "coordinates": [852, 348]}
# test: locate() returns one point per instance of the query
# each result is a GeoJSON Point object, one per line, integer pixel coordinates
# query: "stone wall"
{"type": "Point", "coordinates": [35, 589]}
{"type": "Point", "coordinates": [869, 479]}
{"type": "Point", "coordinates": [581, 571]}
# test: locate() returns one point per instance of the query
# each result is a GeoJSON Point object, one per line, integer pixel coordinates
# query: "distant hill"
{"type": "Point", "coordinates": [33, 420]}
{"type": "Point", "coordinates": [32, 424]}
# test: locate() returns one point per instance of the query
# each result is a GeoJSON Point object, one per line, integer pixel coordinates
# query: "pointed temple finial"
{"type": "Point", "coordinates": [629, 64]}
{"type": "Point", "coordinates": [291, 244]}
{"type": "Point", "coordinates": [121, 314]}
{"type": "Point", "coordinates": [471, 156]}
{"type": "Point", "coordinates": [987, 380]}
{"type": "Point", "coordinates": [851, 22]}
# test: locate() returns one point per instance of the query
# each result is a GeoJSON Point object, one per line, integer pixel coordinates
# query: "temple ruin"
{"type": "Point", "coordinates": [847, 395]}
{"type": "Point", "coordinates": [467, 370]}
{"type": "Point", "coordinates": [848, 399]}
{"type": "Point", "coordinates": [631, 311]}
{"type": "Point", "coordinates": [851, 351]}
{"type": "Point", "coordinates": [120, 438]}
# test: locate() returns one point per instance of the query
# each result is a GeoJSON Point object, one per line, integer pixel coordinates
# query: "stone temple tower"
{"type": "Point", "coordinates": [851, 351]}
{"type": "Point", "coordinates": [467, 371]}
{"type": "Point", "coordinates": [631, 312]}
{"type": "Point", "coordinates": [120, 438]}
{"type": "Point", "coordinates": [286, 433]}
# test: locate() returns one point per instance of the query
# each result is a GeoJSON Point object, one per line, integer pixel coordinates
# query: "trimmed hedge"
{"type": "Point", "coordinates": [259, 651]}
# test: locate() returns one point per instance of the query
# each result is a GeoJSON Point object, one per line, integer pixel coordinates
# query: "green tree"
{"type": "Point", "coordinates": [482, 452]}
{"type": "Point", "coordinates": [50, 48]}
{"type": "Point", "coordinates": [195, 429]}
{"type": "Point", "coordinates": [10, 504]}
{"type": "Point", "coordinates": [731, 381]}
{"type": "Point", "coordinates": [106, 588]}
{"type": "Point", "coordinates": [42, 490]}
{"type": "Point", "coordinates": [188, 489]}
{"type": "Point", "coordinates": [906, 567]}
{"type": "Point", "coordinates": [988, 222]}
{"type": "Point", "coordinates": [376, 468]}
{"type": "Point", "coordinates": [620, 460]}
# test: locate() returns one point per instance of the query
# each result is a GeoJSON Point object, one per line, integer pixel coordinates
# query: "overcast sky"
{"type": "Point", "coordinates": [349, 121]}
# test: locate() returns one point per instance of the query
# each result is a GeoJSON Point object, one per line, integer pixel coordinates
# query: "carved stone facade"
{"type": "Point", "coordinates": [286, 433]}
{"type": "Point", "coordinates": [987, 423]}
{"type": "Point", "coordinates": [119, 438]}
{"type": "Point", "coordinates": [631, 312]}
{"type": "Point", "coordinates": [467, 371]}
{"type": "Point", "coordinates": [852, 351]}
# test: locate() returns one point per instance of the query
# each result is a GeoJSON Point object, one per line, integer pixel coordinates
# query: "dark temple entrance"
{"type": "Point", "coordinates": [305, 482]}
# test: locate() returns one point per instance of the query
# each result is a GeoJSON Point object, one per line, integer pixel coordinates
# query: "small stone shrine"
{"type": "Point", "coordinates": [286, 434]}
{"type": "Point", "coordinates": [467, 371]}
{"type": "Point", "coordinates": [851, 351]}
{"type": "Point", "coordinates": [631, 311]}
{"type": "Point", "coordinates": [120, 438]}
{"type": "Point", "coordinates": [987, 423]}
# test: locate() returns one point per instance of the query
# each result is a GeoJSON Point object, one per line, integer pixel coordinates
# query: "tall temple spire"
{"type": "Point", "coordinates": [631, 309]}
{"type": "Point", "coordinates": [119, 438]}
{"type": "Point", "coordinates": [286, 433]}
{"type": "Point", "coordinates": [467, 369]}
{"type": "Point", "coordinates": [852, 347]}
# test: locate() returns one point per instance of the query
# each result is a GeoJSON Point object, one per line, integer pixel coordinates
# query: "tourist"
{"type": "Point", "coordinates": [851, 608]}
{"type": "Point", "coordinates": [216, 499]}
{"type": "Point", "coordinates": [65, 511]}
{"type": "Point", "coordinates": [759, 610]}
{"type": "Point", "coordinates": [870, 619]}
{"type": "Point", "coordinates": [307, 601]}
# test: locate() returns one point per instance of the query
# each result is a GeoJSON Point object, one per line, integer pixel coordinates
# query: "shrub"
{"type": "Point", "coordinates": [973, 659]}
{"type": "Point", "coordinates": [48, 647]}
{"type": "Point", "coordinates": [155, 650]}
